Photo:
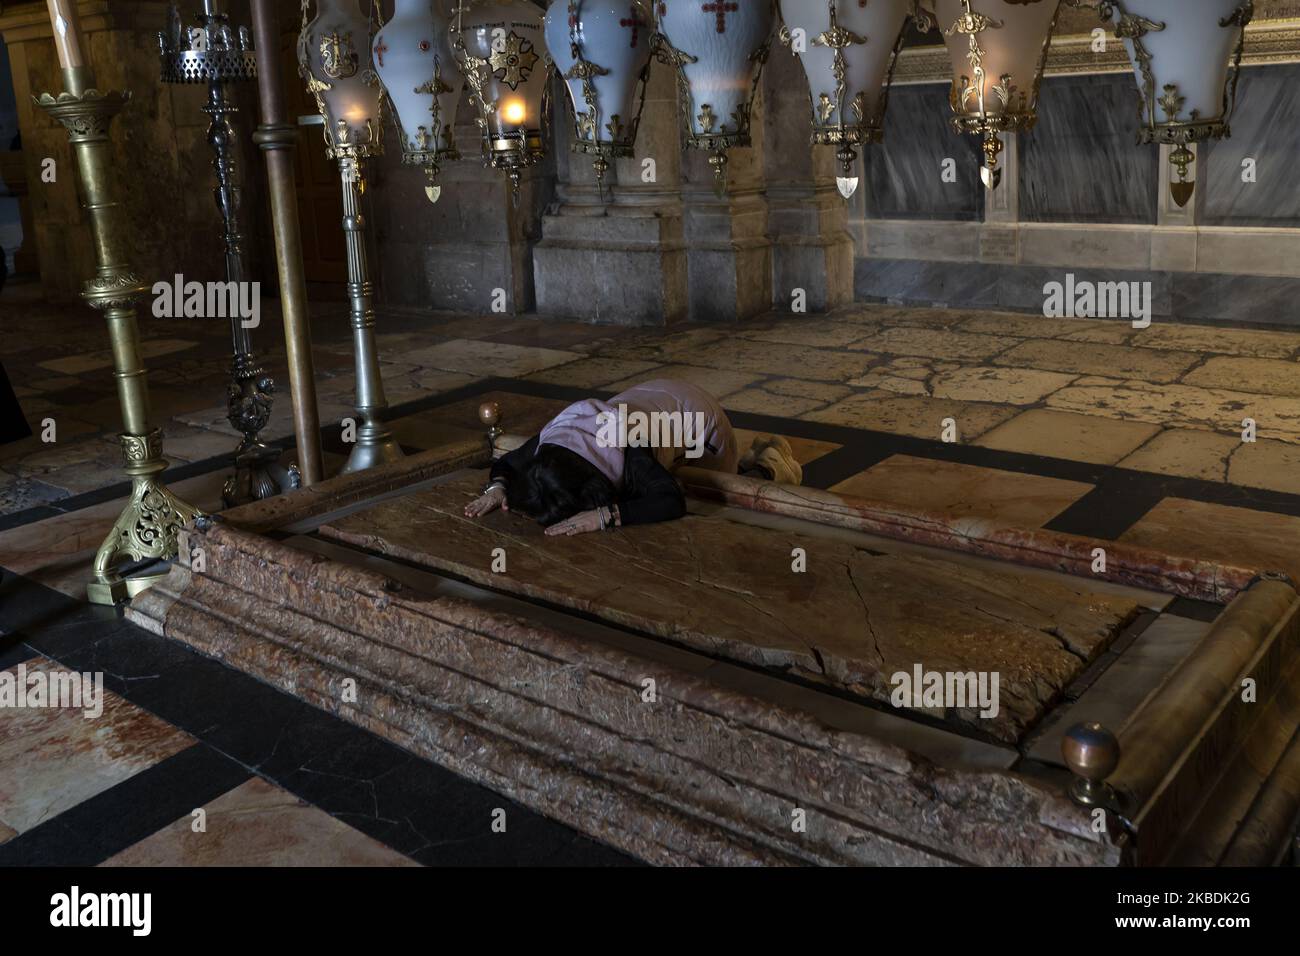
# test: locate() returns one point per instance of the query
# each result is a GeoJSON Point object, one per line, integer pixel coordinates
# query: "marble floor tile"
{"type": "Point", "coordinates": [52, 759]}
{"type": "Point", "coordinates": [1011, 498]}
{"type": "Point", "coordinates": [332, 410]}
{"type": "Point", "coordinates": [906, 375]}
{"type": "Point", "coordinates": [1262, 375]}
{"type": "Point", "coordinates": [81, 466]}
{"type": "Point", "coordinates": [258, 824]}
{"type": "Point", "coordinates": [1204, 338]}
{"type": "Point", "coordinates": [1042, 327]}
{"type": "Point", "coordinates": [810, 332]}
{"type": "Point", "coordinates": [936, 343]}
{"type": "Point", "coordinates": [103, 358]}
{"type": "Point", "coordinates": [1257, 539]}
{"type": "Point", "coordinates": [759, 401]}
{"type": "Point", "coordinates": [802, 388]}
{"type": "Point", "coordinates": [1272, 465]}
{"type": "Point", "coordinates": [1014, 386]}
{"type": "Point", "coordinates": [1041, 431]}
{"type": "Point", "coordinates": [189, 443]}
{"type": "Point", "coordinates": [876, 313]}
{"type": "Point", "coordinates": [1185, 452]}
{"type": "Point", "coordinates": [921, 417]}
{"type": "Point", "coordinates": [770, 358]}
{"type": "Point", "coordinates": [1182, 406]}
{"type": "Point", "coordinates": [18, 494]}
{"type": "Point", "coordinates": [486, 358]}
{"type": "Point", "coordinates": [1089, 358]}
{"type": "Point", "coordinates": [596, 373]}
{"type": "Point", "coordinates": [716, 381]}
{"type": "Point", "coordinates": [657, 345]}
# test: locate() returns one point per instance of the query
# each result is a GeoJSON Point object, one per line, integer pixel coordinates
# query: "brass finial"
{"type": "Point", "coordinates": [1092, 754]}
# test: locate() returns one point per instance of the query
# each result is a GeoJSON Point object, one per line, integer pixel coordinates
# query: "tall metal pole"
{"type": "Point", "coordinates": [375, 444]}
{"type": "Point", "coordinates": [278, 138]}
{"type": "Point", "coordinates": [147, 528]}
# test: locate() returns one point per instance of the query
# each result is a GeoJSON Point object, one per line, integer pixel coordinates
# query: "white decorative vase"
{"type": "Point", "coordinates": [847, 50]}
{"type": "Point", "coordinates": [602, 49]}
{"type": "Point", "coordinates": [1186, 55]}
{"type": "Point", "coordinates": [412, 55]}
{"type": "Point", "coordinates": [718, 48]}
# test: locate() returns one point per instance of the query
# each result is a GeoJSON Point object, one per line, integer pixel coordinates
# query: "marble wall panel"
{"type": "Point", "coordinates": [903, 175]}
{"type": "Point", "coordinates": [1081, 163]}
{"type": "Point", "coordinates": [1265, 128]}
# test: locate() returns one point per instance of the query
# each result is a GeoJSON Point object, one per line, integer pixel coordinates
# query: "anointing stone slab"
{"type": "Point", "coordinates": [852, 619]}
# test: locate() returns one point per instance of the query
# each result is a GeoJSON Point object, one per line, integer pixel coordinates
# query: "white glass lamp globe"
{"type": "Point", "coordinates": [501, 52]}
{"type": "Point", "coordinates": [412, 55]}
{"type": "Point", "coordinates": [601, 48]}
{"type": "Point", "coordinates": [334, 59]}
{"type": "Point", "coordinates": [718, 48]}
{"type": "Point", "coordinates": [847, 51]}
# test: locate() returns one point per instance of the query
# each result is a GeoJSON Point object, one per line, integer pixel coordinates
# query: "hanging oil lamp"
{"type": "Point", "coordinates": [718, 49]}
{"type": "Point", "coordinates": [500, 50]}
{"type": "Point", "coordinates": [602, 50]}
{"type": "Point", "coordinates": [412, 54]}
{"type": "Point", "coordinates": [847, 50]}
{"type": "Point", "coordinates": [1186, 56]}
{"type": "Point", "coordinates": [998, 49]}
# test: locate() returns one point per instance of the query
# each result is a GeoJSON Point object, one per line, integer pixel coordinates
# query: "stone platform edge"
{"type": "Point", "coordinates": [702, 775]}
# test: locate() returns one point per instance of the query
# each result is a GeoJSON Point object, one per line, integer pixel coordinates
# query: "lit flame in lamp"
{"type": "Point", "coordinates": [512, 111]}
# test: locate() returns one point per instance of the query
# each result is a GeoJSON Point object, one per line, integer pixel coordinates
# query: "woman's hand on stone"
{"type": "Point", "coordinates": [491, 500]}
{"type": "Point", "coordinates": [582, 522]}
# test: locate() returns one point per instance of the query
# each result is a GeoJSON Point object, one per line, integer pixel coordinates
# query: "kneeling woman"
{"type": "Point", "coordinates": [572, 478]}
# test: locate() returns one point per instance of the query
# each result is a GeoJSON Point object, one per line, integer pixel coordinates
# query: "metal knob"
{"type": "Point", "coordinates": [1092, 754]}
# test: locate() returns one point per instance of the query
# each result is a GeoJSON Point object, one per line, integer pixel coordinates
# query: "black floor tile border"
{"type": "Point", "coordinates": [128, 812]}
{"type": "Point", "coordinates": [1106, 513]}
{"type": "Point", "coordinates": [244, 727]}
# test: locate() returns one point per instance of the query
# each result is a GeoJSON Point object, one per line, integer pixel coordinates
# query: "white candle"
{"type": "Point", "coordinates": [67, 33]}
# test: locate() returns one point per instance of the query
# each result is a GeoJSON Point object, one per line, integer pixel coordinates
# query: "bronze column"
{"type": "Point", "coordinates": [278, 138]}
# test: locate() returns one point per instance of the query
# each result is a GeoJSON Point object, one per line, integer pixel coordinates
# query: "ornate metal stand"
{"type": "Point", "coordinates": [148, 526]}
{"type": "Point", "coordinates": [375, 444]}
{"type": "Point", "coordinates": [216, 55]}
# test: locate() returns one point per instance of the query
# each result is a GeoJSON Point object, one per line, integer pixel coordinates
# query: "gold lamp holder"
{"type": "Point", "coordinates": [148, 527]}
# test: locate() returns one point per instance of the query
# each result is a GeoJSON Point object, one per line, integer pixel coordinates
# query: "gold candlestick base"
{"type": "Point", "coordinates": [148, 527]}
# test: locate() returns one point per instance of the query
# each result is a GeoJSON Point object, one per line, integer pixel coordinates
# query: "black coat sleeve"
{"type": "Point", "coordinates": [506, 468]}
{"type": "Point", "coordinates": [650, 492]}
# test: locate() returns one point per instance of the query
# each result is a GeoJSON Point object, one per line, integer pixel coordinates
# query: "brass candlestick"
{"type": "Point", "coordinates": [148, 526]}
{"type": "Point", "coordinates": [216, 55]}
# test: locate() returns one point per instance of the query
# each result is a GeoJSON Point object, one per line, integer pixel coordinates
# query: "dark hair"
{"type": "Point", "coordinates": [556, 484]}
